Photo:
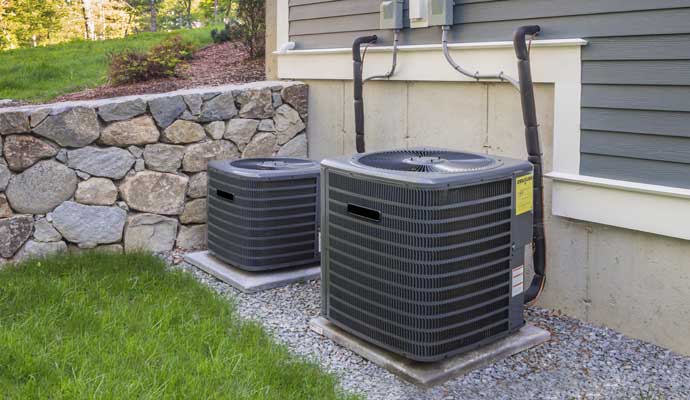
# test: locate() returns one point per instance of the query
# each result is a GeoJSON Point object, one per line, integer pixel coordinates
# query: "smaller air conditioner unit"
{"type": "Point", "coordinates": [263, 213]}
{"type": "Point", "coordinates": [423, 249]}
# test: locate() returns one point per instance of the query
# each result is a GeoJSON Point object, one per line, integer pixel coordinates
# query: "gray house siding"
{"type": "Point", "coordinates": [635, 71]}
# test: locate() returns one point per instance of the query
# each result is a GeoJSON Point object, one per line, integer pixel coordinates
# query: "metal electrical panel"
{"type": "Point", "coordinates": [425, 13]}
{"type": "Point", "coordinates": [392, 14]}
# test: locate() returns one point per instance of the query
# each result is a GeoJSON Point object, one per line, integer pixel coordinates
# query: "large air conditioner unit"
{"type": "Point", "coordinates": [423, 249]}
{"type": "Point", "coordinates": [263, 213]}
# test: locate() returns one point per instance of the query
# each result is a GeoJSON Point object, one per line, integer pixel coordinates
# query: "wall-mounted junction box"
{"type": "Point", "coordinates": [392, 14]}
{"type": "Point", "coordinates": [424, 13]}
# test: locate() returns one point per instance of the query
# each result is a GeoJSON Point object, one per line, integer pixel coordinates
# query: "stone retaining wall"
{"type": "Point", "coordinates": [130, 172]}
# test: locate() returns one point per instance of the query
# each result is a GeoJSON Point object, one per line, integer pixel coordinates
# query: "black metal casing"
{"type": "Point", "coordinates": [422, 263]}
{"type": "Point", "coordinates": [263, 215]}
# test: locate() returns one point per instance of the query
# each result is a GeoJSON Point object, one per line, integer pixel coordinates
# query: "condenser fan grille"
{"type": "Point", "coordinates": [428, 161]}
{"type": "Point", "coordinates": [273, 164]}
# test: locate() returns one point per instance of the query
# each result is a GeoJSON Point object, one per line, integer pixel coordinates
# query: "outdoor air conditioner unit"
{"type": "Point", "coordinates": [263, 213]}
{"type": "Point", "coordinates": [423, 249]}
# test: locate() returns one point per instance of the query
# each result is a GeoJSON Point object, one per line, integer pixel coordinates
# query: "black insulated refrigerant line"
{"type": "Point", "coordinates": [357, 71]}
{"type": "Point", "coordinates": [529, 116]}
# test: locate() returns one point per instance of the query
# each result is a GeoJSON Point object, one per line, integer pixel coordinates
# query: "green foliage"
{"type": "Point", "coordinates": [43, 73]}
{"type": "Point", "coordinates": [107, 326]}
{"type": "Point", "coordinates": [248, 29]}
{"type": "Point", "coordinates": [160, 62]}
{"type": "Point", "coordinates": [29, 22]}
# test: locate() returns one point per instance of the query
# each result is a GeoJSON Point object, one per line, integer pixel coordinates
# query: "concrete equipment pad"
{"type": "Point", "coordinates": [431, 374]}
{"type": "Point", "coordinates": [251, 282]}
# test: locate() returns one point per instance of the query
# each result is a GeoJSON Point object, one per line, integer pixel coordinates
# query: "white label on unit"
{"type": "Point", "coordinates": [518, 282]}
{"type": "Point", "coordinates": [319, 241]}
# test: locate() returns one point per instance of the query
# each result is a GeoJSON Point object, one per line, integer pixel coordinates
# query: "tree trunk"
{"type": "Point", "coordinates": [89, 24]}
{"type": "Point", "coordinates": [189, 14]}
{"type": "Point", "coordinates": [215, 11]}
{"type": "Point", "coordinates": [154, 16]}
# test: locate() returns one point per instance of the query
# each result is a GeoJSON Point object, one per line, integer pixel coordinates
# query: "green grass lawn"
{"type": "Point", "coordinates": [106, 326]}
{"type": "Point", "coordinates": [43, 73]}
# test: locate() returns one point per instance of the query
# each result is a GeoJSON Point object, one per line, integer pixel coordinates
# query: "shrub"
{"type": "Point", "coordinates": [248, 30]}
{"type": "Point", "coordinates": [161, 61]}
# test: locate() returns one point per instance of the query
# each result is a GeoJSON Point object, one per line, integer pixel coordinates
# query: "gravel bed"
{"type": "Point", "coordinates": [580, 362]}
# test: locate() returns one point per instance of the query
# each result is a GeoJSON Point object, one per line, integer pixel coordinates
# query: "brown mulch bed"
{"type": "Point", "coordinates": [217, 64]}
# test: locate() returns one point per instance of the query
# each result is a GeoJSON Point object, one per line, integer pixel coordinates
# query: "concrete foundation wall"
{"type": "Point", "coordinates": [636, 283]}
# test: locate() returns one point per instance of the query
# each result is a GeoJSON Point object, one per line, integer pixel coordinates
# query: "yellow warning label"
{"type": "Point", "coordinates": [523, 194]}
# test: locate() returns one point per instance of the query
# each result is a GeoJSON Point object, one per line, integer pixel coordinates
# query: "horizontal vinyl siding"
{"type": "Point", "coordinates": [635, 72]}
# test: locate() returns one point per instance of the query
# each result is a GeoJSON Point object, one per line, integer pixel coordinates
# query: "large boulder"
{"type": "Point", "coordinates": [215, 130]}
{"type": "Point", "coordinates": [109, 162]}
{"type": "Point", "coordinates": [5, 210]}
{"type": "Point", "coordinates": [96, 192]}
{"type": "Point", "coordinates": [33, 250]}
{"type": "Point", "coordinates": [298, 97]}
{"type": "Point", "coordinates": [41, 188]}
{"type": "Point", "coordinates": [221, 107]}
{"type": "Point", "coordinates": [262, 145]}
{"type": "Point", "coordinates": [165, 110]}
{"type": "Point", "coordinates": [23, 151]}
{"type": "Point", "coordinates": [198, 185]}
{"type": "Point", "coordinates": [5, 175]}
{"type": "Point", "coordinates": [288, 123]}
{"type": "Point", "coordinates": [14, 122]}
{"type": "Point", "coordinates": [297, 147]}
{"type": "Point", "coordinates": [122, 111]}
{"type": "Point", "coordinates": [150, 232]}
{"type": "Point", "coordinates": [194, 212]}
{"type": "Point", "coordinates": [14, 231]}
{"type": "Point", "coordinates": [198, 155]}
{"type": "Point", "coordinates": [89, 226]}
{"type": "Point", "coordinates": [155, 192]}
{"type": "Point", "coordinates": [138, 131]}
{"type": "Point", "coordinates": [163, 157]}
{"type": "Point", "coordinates": [240, 131]}
{"type": "Point", "coordinates": [192, 237]}
{"type": "Point", "coordinates": [75, 127]}
{"type": "Point", "coordinates": [45, 232]}
{"type": "Point", "coordinates": [256, 103]}
{"type": "Point", "coordinates": [184, 132]}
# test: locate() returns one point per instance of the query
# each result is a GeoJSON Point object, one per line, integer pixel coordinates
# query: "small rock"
{"type": "Point", "coordinates": [45, 232]}
{"type": "Point", "coordinates": [298, 97]}
{"type": "Point", "coordinates": [137, 152]}
{"type": "Point", "coordinates": [256, 103]}
{"type": "Point", "coordinates": [14, 122]}
{"type": "Point", "coordinates": [215, 130]}
{"type": "Point", "coordinates": [75, 127]}
{"type": "Point", "coordinates": [198, 155]}
{"type": "Point", "coordinates": [110, 248]}
{"type": "Point", "coordinates": [219, 108]}
{"type": "Point", "coordinates": [139, 165]}
{"type": "Point", "coordinates": [5, 175]}
{"type": "Point", "coordinates": [138, 131]}
{"type": "Point", "coordinates": [262, 145]}
{"type": "Point", "coordinates": [41, 188]}
{"type": "Point", "coordinates": [184, 132]}
{"type": "Point", "coordinates": [194, 103]}
{"type": "Point", "coordinates": [192, 237]}
{"type": "Point", "coordinates": [297, 147]}
{"type": "Point", "coordinates": [34, 250]}
{"type": "Point", "coordinates": [187, 116]}
{"type": "Point", "coordinates": [23, 151]}
{"type": "Point", "coordinates": [122, 205]}
{"type": "Point", "coordinates": [163, 157]}
{"type": "Point", "coordinates": [241, 131]}
{"type": "Point", "coordinates": [277, 100]}
{"type": "Point", "coordinates": [109, 162]}
{"type": "Point", "coordinates": [288, 123]}
{"type": "Point", "coordinates": [150, 232]}
{"type": "Point", "coordinates": [96, 192]}
{"type": "Point", "coordinates": [62, 156]}
{"type": "Point", "coordinates": [194, 212]}
{"type": "Point", "coordinates": [198, 185]}
{"type": "Point", "coordinates": [82, 175]}
{"type": "Point", "coordinates": [5, 210]}
{"type": "Point", "coordinates": [267, 125]}
{"type": "Point", "coordinates": [122, 111]}
{"type": "Point", "coordinates": [89, 225]}
{"type": "Point", "coordinates": [165, 110]}
{"type": "Point", "coordinates": [14, 231]}
{"type": "Point", "coordinates": [155, 192]}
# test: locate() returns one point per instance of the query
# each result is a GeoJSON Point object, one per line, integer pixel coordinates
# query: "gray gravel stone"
{"type": "Point", "coordinates": [14, 122]}
{"type": "Point", "coordinates": [122, 111]}
{"type": "Point", "coordinates": [37, 250]}
{"type": "Point", "coordinates": [89, 225]}
{"type": "Point", "coordinates": [163, 157]}
{"type": "Point", "coordinates": [96, 192]}
{"type": "Point", "coordinates": [198, 155]}
{"type": "Point", "coordinates": [155, 192]}
{"type": "Point", "coordinates": [221, 107]}
{"type": "Point", "coordinates": [297, 147]}
{"type": "Point", "coordinates": [14, 231]}
{"type": "Point", "coordinates": [198, 185]}
{"type": "Point", "coordinates": [165, 110]}
{"type": "Point", "coordinates": [109, 162]}
{"type": "Point", "coordinates": [75, 127]}
{"type": "Point", "coordinates": [23, 151]}
{"type": "Point", "coordinates": [150, 232]}
{"type": "Point", "coordinates": [41, 188]}
{"type": "Point", "coordinates": [138, 131]}
{"type": "Point", "coordinates": [45, 232]}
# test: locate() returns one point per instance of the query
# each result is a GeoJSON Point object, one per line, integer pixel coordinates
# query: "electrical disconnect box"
{"type": "Point", "coordinates": [392, 14]}
{"type": "Point", "coordinates": [425, 13]}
